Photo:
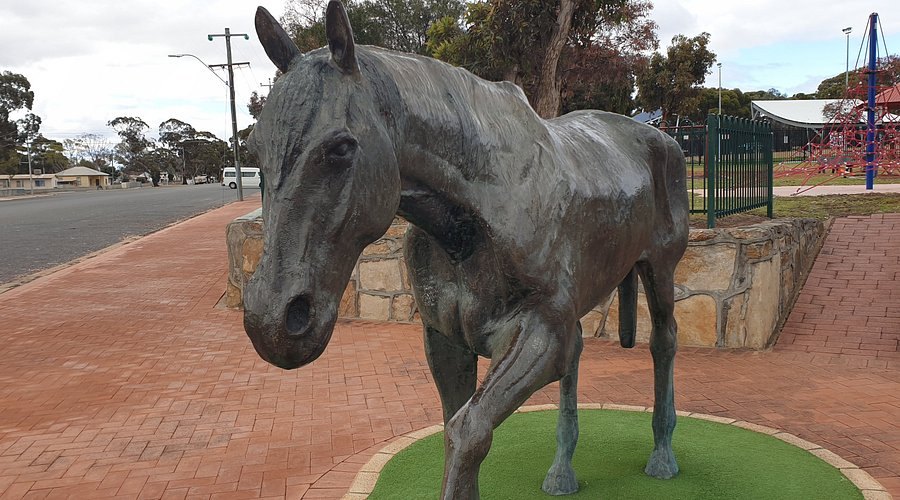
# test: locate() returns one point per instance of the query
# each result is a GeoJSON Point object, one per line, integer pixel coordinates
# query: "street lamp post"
{"type": "Point", "coordinates": [847, 31]}
{"type": "Point", "coordinates": [203, 63]}
{"type": "Point", "coordinates": [720, 88]}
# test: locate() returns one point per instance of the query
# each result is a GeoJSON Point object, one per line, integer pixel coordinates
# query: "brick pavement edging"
{"type": "Point", "coordinates": [364, 482]}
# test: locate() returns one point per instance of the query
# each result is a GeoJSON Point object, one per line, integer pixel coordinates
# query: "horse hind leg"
{"type": "Point", "coordinates": [561, 478]}
{"type": "Point", "coordinates": [660, 287]}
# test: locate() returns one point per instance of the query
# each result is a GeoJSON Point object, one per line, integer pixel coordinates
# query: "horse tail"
{"type": "Point", "coordinates": [628, 309]}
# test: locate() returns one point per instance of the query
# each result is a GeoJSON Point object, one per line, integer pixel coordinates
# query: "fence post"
{"type": "Point", "coordinates": [713, 143]}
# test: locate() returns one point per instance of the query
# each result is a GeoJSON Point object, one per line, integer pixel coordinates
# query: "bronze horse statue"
{"type": "Point", "coordinates": [519, 226]}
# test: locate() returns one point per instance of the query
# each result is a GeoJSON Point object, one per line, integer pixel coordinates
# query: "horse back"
{"type": "Point", "coordinates": [614, 155]}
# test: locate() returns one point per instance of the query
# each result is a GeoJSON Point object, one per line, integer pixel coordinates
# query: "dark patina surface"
{"type": "Point", "coordinates": [519, 227]}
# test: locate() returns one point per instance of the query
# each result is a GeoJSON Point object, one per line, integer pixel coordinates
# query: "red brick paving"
{"type": "Point", "coordinates": [120, 379]}
{"type": "Point", "coordinates": [849, 310]}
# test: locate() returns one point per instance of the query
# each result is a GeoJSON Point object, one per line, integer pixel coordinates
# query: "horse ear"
{"type": "Point", "coordinates": [277, 43]}
{"type": "Point", "coordinates": [340, 37]}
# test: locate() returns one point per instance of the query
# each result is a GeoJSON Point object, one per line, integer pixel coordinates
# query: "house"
{"type": "Point", "coordinates": [82, 177]}
{"type": "Point", "coordinates": [23, 181]}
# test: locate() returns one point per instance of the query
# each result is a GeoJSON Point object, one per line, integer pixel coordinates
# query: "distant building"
{"type": "Point", "coordinates": [23, 181]}
{"type": "Point", "coordinates": [82, 177]}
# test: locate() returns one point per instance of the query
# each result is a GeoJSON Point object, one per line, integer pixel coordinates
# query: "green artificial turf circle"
{"type": "Point", "coordinates": [717, 461]}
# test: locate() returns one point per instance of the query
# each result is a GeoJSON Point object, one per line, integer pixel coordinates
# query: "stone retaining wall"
{"type": "Point", "coordinates": [734, 287]}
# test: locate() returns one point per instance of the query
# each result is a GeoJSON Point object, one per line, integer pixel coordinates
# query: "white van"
{"type": "Point", "coordinates": [249, 177]}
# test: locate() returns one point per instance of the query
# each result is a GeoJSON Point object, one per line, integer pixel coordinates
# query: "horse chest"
{"type": "Point", "coordinates": [461, 299]}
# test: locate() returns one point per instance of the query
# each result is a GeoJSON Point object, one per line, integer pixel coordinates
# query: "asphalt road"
{"type": "Point", "coordinates": [41, 232]}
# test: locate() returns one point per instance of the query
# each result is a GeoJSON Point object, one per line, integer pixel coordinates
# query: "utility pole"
{"type": "Point", "coordinates": [237, 167]}
{"type": "Point", "coordinates": [183, 166]}
{"type": "Point", "coordinates": [30, 175]}
{"type": "Point", "coordinates": [268, 85]}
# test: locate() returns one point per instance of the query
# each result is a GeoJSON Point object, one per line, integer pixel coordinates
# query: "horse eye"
{"type": "Point", "coordinates": [341, 148]}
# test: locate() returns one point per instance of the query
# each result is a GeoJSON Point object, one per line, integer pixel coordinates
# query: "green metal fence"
{"type": "Point", "coordinates": [739, 167]}
{"type": "Point", "coordinates": [692, 140]}
{"type": "Point", "coordinates": [729, 165]}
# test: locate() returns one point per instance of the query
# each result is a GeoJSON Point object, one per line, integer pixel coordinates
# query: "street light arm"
{"type": "Point", "coordinates": [203, 63]}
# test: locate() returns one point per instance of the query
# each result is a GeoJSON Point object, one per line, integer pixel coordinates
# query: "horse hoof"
{"type": "Point", "coordinates": [560, 481]}
{"type": "Point", "coordinates": [662, 465]}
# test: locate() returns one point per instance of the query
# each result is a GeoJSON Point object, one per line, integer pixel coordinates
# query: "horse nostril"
{"type": "Point", "coordinates": [297, 316]}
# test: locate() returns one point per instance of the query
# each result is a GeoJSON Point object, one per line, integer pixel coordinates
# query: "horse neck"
{"type": "Point", "coordinates": [452, 132]}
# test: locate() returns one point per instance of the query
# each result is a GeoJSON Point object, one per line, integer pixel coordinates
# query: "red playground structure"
{"type": "Point", "coordinates": [862, 136]}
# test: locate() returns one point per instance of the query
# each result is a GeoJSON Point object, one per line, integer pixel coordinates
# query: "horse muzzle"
{"type": "Point", "coordinates": [289, 335]}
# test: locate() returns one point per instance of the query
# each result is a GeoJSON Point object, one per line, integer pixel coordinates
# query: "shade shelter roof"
{"type": "Point", "coordinates": [803, 113]}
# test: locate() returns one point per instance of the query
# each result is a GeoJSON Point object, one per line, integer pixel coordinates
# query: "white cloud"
{"type": "Point", "coordinates": [91, 61]}
{"type": "Point", "coordinates": [788, 45]}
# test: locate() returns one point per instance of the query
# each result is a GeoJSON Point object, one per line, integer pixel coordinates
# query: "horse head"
{"type": "Point", "coordinates": [332, 186]}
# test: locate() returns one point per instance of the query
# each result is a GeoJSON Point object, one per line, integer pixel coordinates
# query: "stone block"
{"type": "Point", "coordinates": [234, 299]}
{"type": "Point", "coordinates": [404, 276]}
{"type": "Point", "coordinates": [760, 250]}
{"type": "Point", "coordinates": [374, 307]}
{"type": "Point", "coordinates": [251, 252]}
{"type": "Point", "coordinates": [735, 329]}
{"type": "Point", "coordinates": [707, 267]}
{"type": "Point", "coordinates": [697, 320]}
{"type": "Point", "coordinates": [349, 307]}
{"type": "Point", "coordinates": [402, 307]}
{"type": "Point", "coordinates": [763, 303]}
{"type": "Point", "coordinates": [380, 248]}
{"type": "Point", "coordinates": [702, 234]}
{"type": "Point", "coordinates": [754, 232]}
{"type": "Point", "coordinates": [591, 323]}
{"type": "Point", "coordinates": [397, 231]}
{"type": "Point", "coordinates": [381, 275]}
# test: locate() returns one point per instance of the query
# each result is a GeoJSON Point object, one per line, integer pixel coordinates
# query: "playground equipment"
{"type": "Point", "coordinates": [862, 136]}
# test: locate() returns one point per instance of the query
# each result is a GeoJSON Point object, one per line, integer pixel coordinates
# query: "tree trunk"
{"type": "Point", "coordinates": [548, 98]}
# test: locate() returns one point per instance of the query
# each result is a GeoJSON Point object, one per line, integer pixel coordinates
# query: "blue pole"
{"type": "Point", "coordinates": [870, 114]}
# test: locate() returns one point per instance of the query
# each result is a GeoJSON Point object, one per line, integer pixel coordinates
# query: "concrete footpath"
{"type": "Point", "coordinates": [120, 378]}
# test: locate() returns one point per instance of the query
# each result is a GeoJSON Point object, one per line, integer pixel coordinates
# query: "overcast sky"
{"type": "Point", "coordinates": [90, 61]}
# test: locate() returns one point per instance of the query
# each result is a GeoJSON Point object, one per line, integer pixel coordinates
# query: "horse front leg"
{"type": "Point", "coordinates": [660, 288]}
{"type": "Point", "coordinates": [538, 353]}
{"type": "Point", "coordinates": [561, 478]}
{"type": "Point", "coordinates": [454, 369]}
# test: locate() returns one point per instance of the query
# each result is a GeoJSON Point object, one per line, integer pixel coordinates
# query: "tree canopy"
{"type": "Point", "coordinates": [15, 96]}
{"type": "Point", "coordinates": [566, 54]}
{"type": "Point", "coordinates": [887, 76]}
{"type": "Point", "coordinates": [134, 145]}
{"type": "Point", "coordinates": [200, 153]}
{"type": "Point", "coordinates": [394, 24]}
{"type": "Point", "coordinates": [672, 81]}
